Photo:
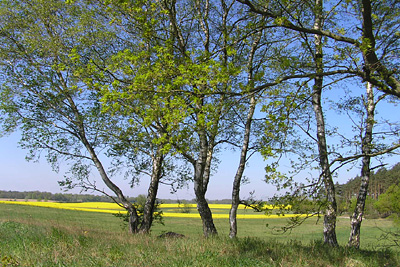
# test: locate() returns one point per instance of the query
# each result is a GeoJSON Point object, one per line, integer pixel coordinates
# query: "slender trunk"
{"type": "Point", "coordinates": [240, 170]}
{"type": "Point", "coordinates": [148, 209]}
{"type": "Point", "coordinates": [357, 216]}
{"type": "Point", "coordinates": [246, 139]}
{"type": "Point", "coordinates": [331, 209]}
{"type": "Point", "coordinates": [133, 216]}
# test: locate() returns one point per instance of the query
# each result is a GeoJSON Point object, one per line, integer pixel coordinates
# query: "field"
{"type": "Point", "coordinates": [220, 211]}
{"type": "Point", "coordinates": [40, 236]}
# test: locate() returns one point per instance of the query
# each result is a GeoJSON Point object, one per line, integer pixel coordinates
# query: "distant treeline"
{"type": "Point", "coordinates": [380, 181]}
{"type": "Point", "coordinates": [377, 199]}
{"type": "Point", "coordinates": [59, 197]}
{"type": "Point", "coordinates": [65, 197]}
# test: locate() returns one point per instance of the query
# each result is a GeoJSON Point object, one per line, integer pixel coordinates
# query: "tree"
{"type": "Point", "coordinates": [356, 218]}
{"type": "Point", "coordinates": [46, 95]}
{"type": "Point", "coordinates": [263, 44]}
{"type": "Point", "coordinates": [306, 114]}
{"type": "Point", "coordinates": [295, 16]}
{"type": "Point", "coordinates": [331, 209]}
{"type": "Point", "coordinates": [188, 71]}
{"type": "Point", "coordinates": [369, 150]}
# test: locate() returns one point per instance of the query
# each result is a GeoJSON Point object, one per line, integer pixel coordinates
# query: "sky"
{"type": "Point", "coordinates": [17, 174]}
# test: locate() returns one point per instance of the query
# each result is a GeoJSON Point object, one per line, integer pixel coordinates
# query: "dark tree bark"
{"type": "Point", "coordinates": [201, 177]}
{"type": "Point", "coordinates": [372, 62]}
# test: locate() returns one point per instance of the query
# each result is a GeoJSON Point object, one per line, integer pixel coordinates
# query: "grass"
{"type": "Point", "coordinates": [37, 236]}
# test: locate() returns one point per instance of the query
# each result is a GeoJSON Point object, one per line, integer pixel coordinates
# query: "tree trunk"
{"type": "Point", "coordinates": [209, 228]}
{"type": "Point", "coordinates": [148, 209]}
{"type": "Point", "coordinates": [357, 216]}
{"type": "Point", "coordinates": [133, 216]}
{"type": "Point", "coordinates": [240, 170]}
{"type": "Point", "coordinates": [331, 209]}
{"type": "Point", "coordinates": [204, 210]}
{"type": "Point", "coordinates": [201, 178]}
{"type": "Point", "coordinates": [133, 220]}
{"type": "Point", "coordinates": [246, 138]}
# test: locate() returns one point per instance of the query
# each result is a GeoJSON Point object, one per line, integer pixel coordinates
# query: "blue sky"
{"type": "Point", "coordinates": [19, 175]}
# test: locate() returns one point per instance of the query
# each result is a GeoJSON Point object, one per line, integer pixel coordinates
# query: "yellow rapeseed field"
{"type": "Point", "coordinates": [115, 208]}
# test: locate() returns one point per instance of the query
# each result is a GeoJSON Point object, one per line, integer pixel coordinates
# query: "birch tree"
{"type": "Point", "coordinates": [48, 96]}
{"type": "Point", "coordinates": [374, 140]}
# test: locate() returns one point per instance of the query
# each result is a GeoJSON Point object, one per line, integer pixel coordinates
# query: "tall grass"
{"type": "Point", "coordinates": [34, 236]}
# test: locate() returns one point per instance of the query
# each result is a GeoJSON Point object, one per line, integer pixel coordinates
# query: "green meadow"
{"type": "Point", "coordinates": [39, 236]}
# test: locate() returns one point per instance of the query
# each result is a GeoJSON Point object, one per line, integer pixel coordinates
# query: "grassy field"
{"type": "Point", "coordinates": [39, 236]}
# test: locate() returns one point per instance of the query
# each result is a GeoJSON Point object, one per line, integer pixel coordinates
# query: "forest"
{"type": "Point", "coordinates": [160, 88]}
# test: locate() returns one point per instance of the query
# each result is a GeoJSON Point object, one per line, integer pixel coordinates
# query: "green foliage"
{"type": "Point", "coordinates": [139, 203]}
{"type": "Point", "coordinates": [139, 80]}
{"type": "Point", "coordinates": [304, 206]}
{"type": "Point", "coordinates": [48, 104]}
{"type": "Point", "coordinates": [389, 202]}
{"type": "Point", "coordinates": [369, 210]}
{"type": "Point", "coordinates": [380, 182]}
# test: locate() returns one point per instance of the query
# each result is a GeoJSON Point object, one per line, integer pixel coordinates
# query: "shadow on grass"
{"type": "Point", "coordinates": [314, 254]}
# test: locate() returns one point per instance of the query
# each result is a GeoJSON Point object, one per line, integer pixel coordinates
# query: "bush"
{"type": "Point", "coordinates": [139, 203]}
{"type": "Point", "coordinates": [184, 206]}
{"type": "Point", "coordinates": [389, 203]}
{"type": "Point", "coordinates": [369, 210]}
